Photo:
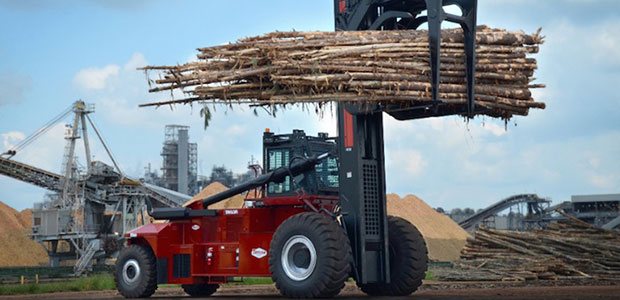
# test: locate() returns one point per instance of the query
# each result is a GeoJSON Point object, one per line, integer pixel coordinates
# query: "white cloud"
{"type": "Point", "coordinates": [494, 129]}
{"type": "Point", "coordinates": [11, 139]}
{"type": "Point", "coordinates": [137, 60]}
{"type": "Point", "coordinates": [328, 122]}
{"type": "Point", "coordinates": [601, 181]}
{"type": "Point", "coordinates": [95, 78]}
{"type": "Point", "coordinates": [192, 58]}
{"type": "Point", "coordinates": [118, 99]}
{"type": "Point", "coordinates": [598, 42]}
{"type": "Point", "coordinates": [46, 152]}
{"type": "Point", "coordinates": [606, 43]}
{"type": "Point", "coordinates": [409, 162]}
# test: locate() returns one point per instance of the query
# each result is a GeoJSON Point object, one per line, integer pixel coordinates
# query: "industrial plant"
{"type": "Point", "coordinates": [179, 168]}
{"type": "Point", "coordinates": [87, 209]}
{"type": "Point", "coordinates": [417, 92]}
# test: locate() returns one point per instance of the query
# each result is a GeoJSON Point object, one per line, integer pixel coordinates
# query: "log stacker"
{"type": "Point", "coordinates": [320, 212]}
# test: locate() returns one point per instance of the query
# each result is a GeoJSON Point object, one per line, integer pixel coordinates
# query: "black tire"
{"type": "Point", "coordinates": [135, 274]}
{"type": "Point", "coordinates": [408, 261]}
{"type": "Point", "coordinates": [200, 290]}
{"type": "Point", "coordinates": [332, 255]}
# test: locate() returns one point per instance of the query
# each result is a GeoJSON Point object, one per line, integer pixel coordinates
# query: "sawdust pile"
{"type": "Point", "coordinates": [214, 188]}
{"type": "Point", "coordinates": [25, 217]}
{"type": "Point", "coordinates": [16, 247]}
{"type": "Point", "coordinates": [444, 238]}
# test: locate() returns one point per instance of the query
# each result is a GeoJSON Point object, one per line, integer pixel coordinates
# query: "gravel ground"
{"type": "Point", "coordinates": [430, 290]}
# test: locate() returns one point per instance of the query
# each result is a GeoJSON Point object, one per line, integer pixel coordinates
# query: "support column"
{"type": "Point", "coordinates": [362, 192]}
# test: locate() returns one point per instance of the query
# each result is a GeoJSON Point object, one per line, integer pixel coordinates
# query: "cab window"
{"type": "Point", "coordinates": [279, 158]}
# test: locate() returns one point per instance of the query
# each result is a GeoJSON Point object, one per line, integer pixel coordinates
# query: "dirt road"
{"type": "Point", "coordinates": [351, 292]}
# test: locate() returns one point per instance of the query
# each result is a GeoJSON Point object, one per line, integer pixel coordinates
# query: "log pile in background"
{"type": "Point", "coordinates": [281, 68]}
{"type": "Point", "coordinates": [569, 249]}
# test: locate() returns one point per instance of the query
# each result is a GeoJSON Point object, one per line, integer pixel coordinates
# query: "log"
{"type": "Point", "coordinates": [564, 250]}
{"type": "Point", "coordinates": [385, 67]}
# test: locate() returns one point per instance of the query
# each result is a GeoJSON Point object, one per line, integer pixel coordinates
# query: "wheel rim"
{"type": "Point", "coordinates": [298, 257]}
{"type": "Point", "coordinates": [131, 271]}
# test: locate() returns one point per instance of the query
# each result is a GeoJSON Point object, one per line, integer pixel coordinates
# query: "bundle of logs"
{"type": "Point", "coordinates": [386, 67]}
{"type": "Point", "coordinates": [569, 249]}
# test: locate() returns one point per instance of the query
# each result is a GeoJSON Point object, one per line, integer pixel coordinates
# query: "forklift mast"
{"type": "Point", "coordinates": [360, 139]}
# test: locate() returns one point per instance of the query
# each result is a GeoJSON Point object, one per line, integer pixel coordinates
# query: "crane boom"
{"type": "Point", "coordinates": [27, 173]}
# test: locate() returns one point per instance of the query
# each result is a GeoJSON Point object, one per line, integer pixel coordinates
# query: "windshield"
{"type": "Point", "coordinates": [327, 173]}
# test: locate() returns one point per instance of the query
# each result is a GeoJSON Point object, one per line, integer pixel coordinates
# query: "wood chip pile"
{"type": "Point", "coordinates": [387, 67]}
{"type": "Point", "coordinates": [214, 188]}
{"type": "Point", "coordinates": [17, 249]}
{"type": "Point", "coordinates": [568, 249]}
{"type": "Point", "coordinates": [444, 238]}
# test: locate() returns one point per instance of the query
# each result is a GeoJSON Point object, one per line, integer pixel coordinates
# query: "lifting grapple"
{"type": "Point", "coordinates": [318, 215]}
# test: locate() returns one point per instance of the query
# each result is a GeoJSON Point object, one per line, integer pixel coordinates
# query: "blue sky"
{"type": "Point", "coordinates": [55, 52]}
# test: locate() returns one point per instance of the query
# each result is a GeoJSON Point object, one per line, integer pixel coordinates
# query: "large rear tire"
{"type": "Point", "coordinates": [200, 290]}
{"type": "Point", "coordinates": [309, 257]}
{"type": "Point", "coordinates": [408, 261]}
{"type": "Point", "coordinates": [135, 274]}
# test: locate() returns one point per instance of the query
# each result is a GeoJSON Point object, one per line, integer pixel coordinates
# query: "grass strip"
{"type": "Point", "coordinates": [92, 283]}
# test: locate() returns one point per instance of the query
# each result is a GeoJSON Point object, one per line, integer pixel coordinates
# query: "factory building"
{"type": "Point", "coordinates": [179, 167]}
{"type": "Point", "coordinates": [600, 210]}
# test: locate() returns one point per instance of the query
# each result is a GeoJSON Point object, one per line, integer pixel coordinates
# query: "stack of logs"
{"type": "Point", "coordinates": [386, 67]}
{"type": "Point", "coordinates": [569, 249]}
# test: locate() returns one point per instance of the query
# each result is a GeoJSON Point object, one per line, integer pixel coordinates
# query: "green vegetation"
{"type": "Point", "coordinates": [429, 276]}
{"type": "Point", "coordinates": [257, 280]}
{"type": "Point", "coordinates": [91, 283]}
{"type": "Point", "coordinates": [251, 280]}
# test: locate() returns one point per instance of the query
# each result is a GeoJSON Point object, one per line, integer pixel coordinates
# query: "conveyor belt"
{"type": "Point", "coordinates": [30, 174]}
{"type": "Point", "coordinates": [474, 220]}
{"type": "Point", "coordinates": [612, 224]}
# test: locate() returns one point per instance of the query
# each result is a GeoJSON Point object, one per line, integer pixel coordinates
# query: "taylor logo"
{"type": "Point", "coordinates": [259, 253]}
{"type": "Point", "coordinates": [195, 227]}
{"type": "Point", "coordinates": [231, 212]}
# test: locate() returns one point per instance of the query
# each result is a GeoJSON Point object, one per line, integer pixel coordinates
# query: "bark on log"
{"type": "Point", "coordinates": [384, 67]}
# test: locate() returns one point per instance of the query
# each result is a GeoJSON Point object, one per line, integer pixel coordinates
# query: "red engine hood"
{"type": "Point", "coordinates": [148, 229]}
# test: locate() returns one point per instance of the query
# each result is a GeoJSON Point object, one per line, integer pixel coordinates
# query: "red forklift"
{"type": "Point", "coordinates": [320, 214]}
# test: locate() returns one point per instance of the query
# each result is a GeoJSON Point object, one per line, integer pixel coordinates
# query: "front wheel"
{"type": "Point", "coordinates": [135, 274]}
{"type": "Point", "coordinates": [408, 261]}
{"type": "Point", "coordinates": [309, 256]}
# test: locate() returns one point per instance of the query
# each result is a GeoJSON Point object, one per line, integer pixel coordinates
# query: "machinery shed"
{"type": "Point", "coordinates": [602, 210]}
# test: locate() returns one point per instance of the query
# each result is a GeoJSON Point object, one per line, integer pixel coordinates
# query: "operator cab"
{"type": "Point", "coordinates": [280, 150]}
